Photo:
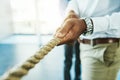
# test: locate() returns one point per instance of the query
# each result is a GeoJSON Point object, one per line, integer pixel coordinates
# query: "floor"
{"type": "Point", "coordinates": [17, 48]}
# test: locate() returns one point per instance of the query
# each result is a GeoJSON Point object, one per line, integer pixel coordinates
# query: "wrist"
{"type": "Point", "coordinates": [84, 25]}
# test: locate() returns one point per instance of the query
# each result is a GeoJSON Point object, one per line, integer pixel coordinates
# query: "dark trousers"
{"type": "Point", "coordinates": [69, 51]}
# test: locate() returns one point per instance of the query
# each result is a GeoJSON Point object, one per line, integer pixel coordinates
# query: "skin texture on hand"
{"type": "Point", "coordinates": [71, 29]}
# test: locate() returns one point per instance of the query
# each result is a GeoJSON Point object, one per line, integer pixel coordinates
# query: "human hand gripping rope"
{"type": "Point", "coordinates": [18, 72]}
{"type": "Point", "coordinates": [69, 31]}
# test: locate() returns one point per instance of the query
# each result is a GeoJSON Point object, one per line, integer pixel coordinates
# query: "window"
{"type": "Point", "coordinates": [35, 16]}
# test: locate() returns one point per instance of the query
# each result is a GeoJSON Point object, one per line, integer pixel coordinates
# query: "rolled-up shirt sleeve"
{"type": "Point", "coordinates": [107, 23]}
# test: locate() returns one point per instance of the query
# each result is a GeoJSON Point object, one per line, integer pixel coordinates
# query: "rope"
{"type": "Point", "coordinates": [18, 72]}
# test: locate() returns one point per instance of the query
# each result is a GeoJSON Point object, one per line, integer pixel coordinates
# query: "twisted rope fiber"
{"type": "Point", "coordinates": [18, 72]}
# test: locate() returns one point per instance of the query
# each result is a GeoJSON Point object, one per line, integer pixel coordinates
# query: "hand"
{"type": "Point", "coordinates": [71, 14]}
{"type": "Point", "coordinates": [70, 30]}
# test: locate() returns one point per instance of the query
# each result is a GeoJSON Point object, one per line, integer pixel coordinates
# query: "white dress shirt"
{"type": "Point", "coordinates": [104, 13]}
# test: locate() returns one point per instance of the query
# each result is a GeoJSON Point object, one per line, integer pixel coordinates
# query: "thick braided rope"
{"type": "Point", "coordinates": [18, 72]}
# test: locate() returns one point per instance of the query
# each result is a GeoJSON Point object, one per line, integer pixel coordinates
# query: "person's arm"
{"type": "Point", "coordinates": [73, 28]}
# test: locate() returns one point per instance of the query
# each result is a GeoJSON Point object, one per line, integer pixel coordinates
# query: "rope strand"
{"type": "Point", "coordinates": [18, 72]}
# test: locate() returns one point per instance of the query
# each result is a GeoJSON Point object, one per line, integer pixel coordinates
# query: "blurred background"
{"type": "Point", "coordinates": [29, 16]}
{"type": "Point", "coordinates": [26, 25]}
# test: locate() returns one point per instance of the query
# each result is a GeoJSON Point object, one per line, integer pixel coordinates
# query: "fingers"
{"type": "Point", "coordinates": [68, 24]}
{"type": "Point", "coordinates": [67, 39]}
{"type": "Point", "coordinates": [70, 29]}
{"type": "Point", "coordinates": [64, 29]}
{"type": "Point", "coordinates": [69, 32]}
